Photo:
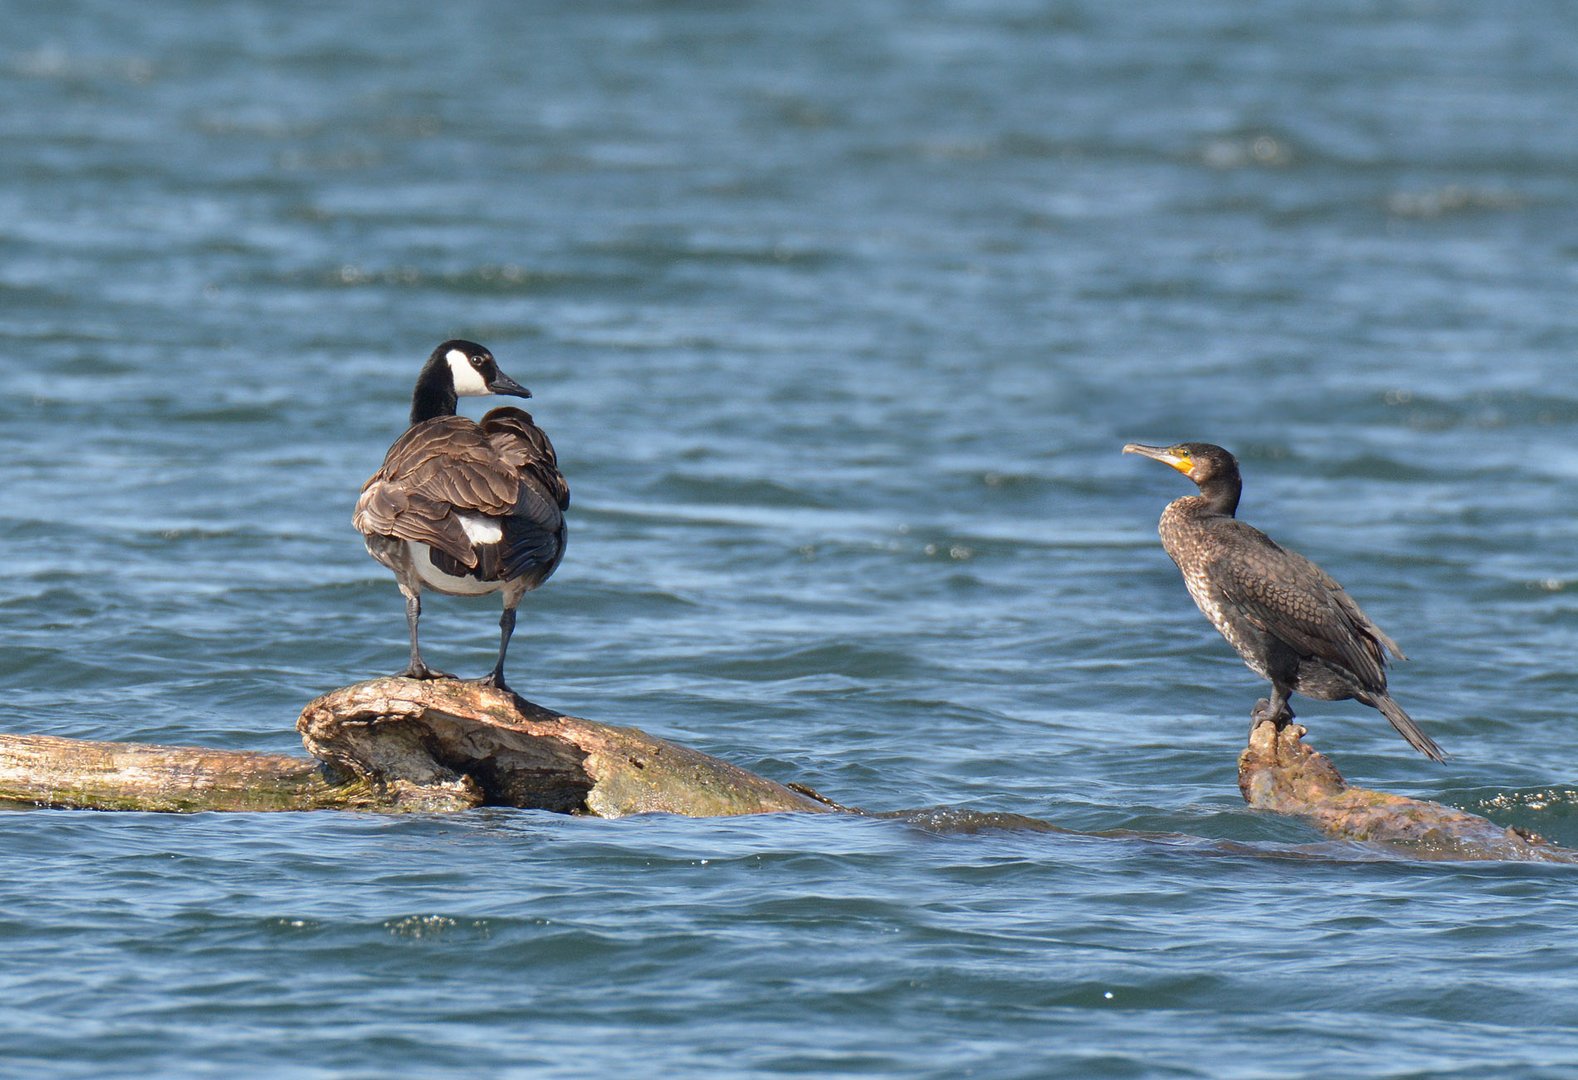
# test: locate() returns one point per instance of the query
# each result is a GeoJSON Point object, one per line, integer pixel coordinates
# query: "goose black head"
{"type": "Point", "coordinates": [474, 372]}
{"type": "Point", "coordinates": [457, 369]}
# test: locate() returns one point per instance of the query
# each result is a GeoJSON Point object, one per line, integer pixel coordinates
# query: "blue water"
{"type": "Point", "coordinates": [839, 313]}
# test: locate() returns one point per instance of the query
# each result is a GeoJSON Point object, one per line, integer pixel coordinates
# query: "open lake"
{"type": "Point", "coordinates": [839, 313]}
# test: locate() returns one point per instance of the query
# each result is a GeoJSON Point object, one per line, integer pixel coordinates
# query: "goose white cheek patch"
{"type": "Point", "coordinates": [467, 382]}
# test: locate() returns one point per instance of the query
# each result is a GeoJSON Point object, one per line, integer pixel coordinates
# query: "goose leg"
{"type": "Point", "coordinates": [416, 669]}
{"type": "Point", "coordinates": [495, 678]}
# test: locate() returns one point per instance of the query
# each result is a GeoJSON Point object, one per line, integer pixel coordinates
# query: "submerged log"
{"type": "Point", "coordinates": [401, 745]}
{"type": "Point", "coordinates": [398, 744]}
{"type": "Point", "coordinates": [1279, 773]}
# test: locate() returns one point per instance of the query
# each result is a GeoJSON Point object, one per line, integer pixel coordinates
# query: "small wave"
{"type": "Point", "coordinates": [416, 927]}
{"type": "Point", "coordinates": [1255, 150]}
{"type": "Point", "coordinates": [1452, 199]}
{"type": "Point", "coordinates": [961, 821]}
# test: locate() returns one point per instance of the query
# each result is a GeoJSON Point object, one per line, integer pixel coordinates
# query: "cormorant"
{"type": "Point", "coordinates": [464, 508]}
{"type": "Point", "coordinates": [1287, 618]}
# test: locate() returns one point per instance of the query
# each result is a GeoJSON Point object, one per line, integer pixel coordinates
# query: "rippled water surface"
{"type": "Point", "coordinates": [838, 314]}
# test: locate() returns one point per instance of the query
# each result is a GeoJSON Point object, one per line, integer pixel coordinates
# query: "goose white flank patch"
{"type": "Point", "coordinates": [465, 508]}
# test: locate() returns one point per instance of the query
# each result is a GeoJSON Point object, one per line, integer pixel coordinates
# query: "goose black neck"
{"type": "Point", "coordinates": [435, 392]}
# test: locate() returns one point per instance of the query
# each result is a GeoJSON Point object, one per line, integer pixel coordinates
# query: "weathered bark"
{"type": "Point", "coordinates": [494, 748]}
{"type": "Point", "coordinates": [1277, 772]}
{"type": "Point", "coordinates": [399, 744]}
{"type": "Point", "coordinates": [75, 774]}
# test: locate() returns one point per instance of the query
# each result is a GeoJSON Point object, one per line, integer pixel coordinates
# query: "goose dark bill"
{"type": "Point", "coordinates": [503, 385]}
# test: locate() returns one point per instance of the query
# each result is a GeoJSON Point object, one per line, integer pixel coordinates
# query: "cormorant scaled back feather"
{"type": "Point", "coordinates": [1292, 623]}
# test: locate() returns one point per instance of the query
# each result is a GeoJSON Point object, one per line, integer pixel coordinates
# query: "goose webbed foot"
{"type": "Point", "coordinates": [495, 679]}
{"type": "Point", "coordinates": [418, 670]}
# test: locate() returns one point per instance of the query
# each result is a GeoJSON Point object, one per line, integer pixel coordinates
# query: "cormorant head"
{"type": "Point", "coordinates": [1212, 468]}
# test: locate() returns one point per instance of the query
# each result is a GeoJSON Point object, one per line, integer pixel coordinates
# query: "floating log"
{"type": "Point", "coordinates": [494, 748]}
{"type": "Point", "coordinates": [76, 774]}
{"type": "Point", "coordinates": [1279, 773]}
{"type": "Point", "coordinates": [396, 744]}
{"type": "Point", "coordinates": [399, 744]}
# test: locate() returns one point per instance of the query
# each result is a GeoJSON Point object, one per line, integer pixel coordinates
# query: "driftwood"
{"type": "Point", "coordinates": [399, 745]}
{"type": "Point", "coordinates": [75, 774]}
{"type": "Point", "coordinates": [490, 747]}
{"type": "Point", "coordinates": [1279, 773]}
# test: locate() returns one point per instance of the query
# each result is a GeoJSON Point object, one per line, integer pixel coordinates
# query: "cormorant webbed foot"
{"type": "Point", "coordinates": [1263, 714]}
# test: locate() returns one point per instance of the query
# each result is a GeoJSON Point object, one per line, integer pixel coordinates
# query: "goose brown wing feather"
{"type": "Point", "coordinates": [527, 449]}
{"type": "Point", "coordinates": [534, 532]}
{"type": "Point", "coordinates": [386, 509]}
{"type": "Point", "coordinates": [449, 458]}
{"type": "Point", "coordinates": [1285, 594]}
{"type": "Point", "coordinates": [437, 467]}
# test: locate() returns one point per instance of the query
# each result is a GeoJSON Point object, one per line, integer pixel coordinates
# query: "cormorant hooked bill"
{"type": "Point", "coordinates": [464, 508]}
{"type": "Point", "coordinates": [1288, 619]}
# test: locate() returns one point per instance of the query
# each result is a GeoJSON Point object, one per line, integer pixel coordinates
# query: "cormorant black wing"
{"type": "Point", "coordinates": [1286, 595]}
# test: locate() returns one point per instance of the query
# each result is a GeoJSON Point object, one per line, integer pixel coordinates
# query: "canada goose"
{"type": "Point", "coordinates": [464, 508]}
